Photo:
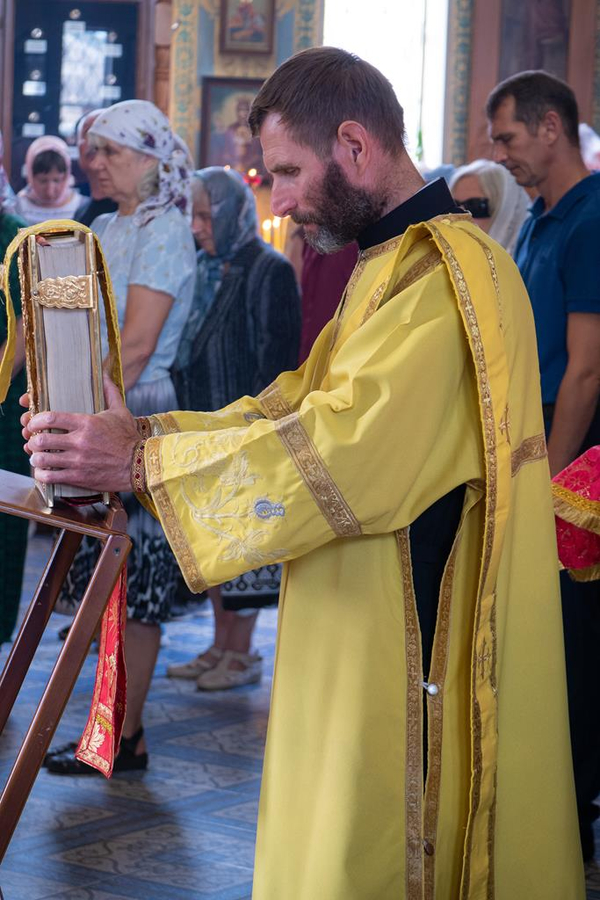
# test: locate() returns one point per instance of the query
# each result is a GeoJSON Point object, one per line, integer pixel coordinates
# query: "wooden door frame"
{"type": "Point", "coordinates": [485, 64]}
{"type": "Point", "coordinates": [144, 77]}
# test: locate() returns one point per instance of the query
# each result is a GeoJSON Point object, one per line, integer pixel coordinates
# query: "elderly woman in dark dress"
{"type": "Point", "coordinates": [243, 331]}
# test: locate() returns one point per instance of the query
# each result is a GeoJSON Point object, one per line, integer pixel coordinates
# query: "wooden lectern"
{"type": "Point", "coordinates": [20, 497]}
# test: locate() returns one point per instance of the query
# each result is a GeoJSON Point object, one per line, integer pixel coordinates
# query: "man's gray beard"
{"type": "Point", "coordinates": [342, 211]}
{"type": "Point", "coordinates": [324, 241]}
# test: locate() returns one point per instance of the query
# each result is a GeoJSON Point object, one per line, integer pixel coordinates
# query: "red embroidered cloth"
{"type": "Point", "coordinates": [576, 493]}
{"type": "Point", "coordinates": [100, 741]}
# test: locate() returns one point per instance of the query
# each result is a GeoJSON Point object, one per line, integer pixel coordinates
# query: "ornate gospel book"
{"type": "Point", "coordinates": [63, 279]}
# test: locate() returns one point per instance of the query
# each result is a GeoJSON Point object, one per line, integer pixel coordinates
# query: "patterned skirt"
{"type": "Point", "coordinates": [152, 570]}
{"type": "Point", "coordinates": [252, 590]}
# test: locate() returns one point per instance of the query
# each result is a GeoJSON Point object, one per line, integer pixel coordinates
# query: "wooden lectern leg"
{"type": "Point", "coordinates": [31, 631]}
{"type": "Point", "coordinates": [59, 687]}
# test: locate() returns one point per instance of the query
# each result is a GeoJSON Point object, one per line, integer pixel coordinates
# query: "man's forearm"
{"type": "Point", "coordinates": [575, 407]}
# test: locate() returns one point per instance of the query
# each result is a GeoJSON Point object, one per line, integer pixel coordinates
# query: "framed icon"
{"type": "Point", "coordinates": [226, 139]}
{"type": "Point", "coordinates": [247, 26]}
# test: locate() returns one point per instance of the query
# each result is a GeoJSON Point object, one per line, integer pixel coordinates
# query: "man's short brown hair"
{"type": "Point", "coordinates": [316, 90]}
{"type": "Point", "coordinates": [536, 93]}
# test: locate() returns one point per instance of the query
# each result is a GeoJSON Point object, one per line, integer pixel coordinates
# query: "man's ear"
{"type": "Point", "coordinates": [353, 146]}
{"type": "Point", "coordinates": [551, 127]}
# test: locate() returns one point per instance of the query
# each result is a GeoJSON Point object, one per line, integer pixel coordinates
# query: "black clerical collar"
{"type": "Point", "coordinates": [432, 200]}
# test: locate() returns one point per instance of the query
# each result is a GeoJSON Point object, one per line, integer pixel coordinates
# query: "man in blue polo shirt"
{"type": "Point", "coordinates": [533, 121]}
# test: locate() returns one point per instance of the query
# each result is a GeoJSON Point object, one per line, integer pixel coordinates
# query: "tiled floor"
{"type": "Point", "coordinates": [180, 831]}
{"type": "Point", "coordinates": [183, 830]}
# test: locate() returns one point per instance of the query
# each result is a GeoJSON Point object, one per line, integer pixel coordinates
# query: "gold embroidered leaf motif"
{"type": "Point", "coordinates": [248, 549]}
{"type": "Point", "coordinates": [185, 456]}
{"type": "Point", "coordinates": [217, 508]}
{"type": "Point", "coordinates": [97, 738]}
{"type": "Point", "coordinates": [238, 474]}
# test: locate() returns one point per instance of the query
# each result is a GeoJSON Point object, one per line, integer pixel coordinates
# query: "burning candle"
{"type": "Point", "coordinates": [277, 243]}
{"type": "Point", "coordinates": [267, 231]}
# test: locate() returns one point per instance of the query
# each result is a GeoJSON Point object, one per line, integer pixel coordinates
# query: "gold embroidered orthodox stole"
{"type": "Point", "coordinates": [480, 312]}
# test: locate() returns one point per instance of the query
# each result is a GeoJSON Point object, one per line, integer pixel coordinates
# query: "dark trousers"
{"type": "Point", "coordinates": [581, 623]}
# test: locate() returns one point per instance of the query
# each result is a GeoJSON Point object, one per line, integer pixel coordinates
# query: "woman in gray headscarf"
{"type": "Point", "coordinates": [490, 193]}
{"type": "Point", "coordinates": [243, 331]}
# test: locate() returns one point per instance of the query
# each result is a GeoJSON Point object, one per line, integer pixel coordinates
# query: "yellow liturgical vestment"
{"type": "Point", "coordinates": [425, 380]}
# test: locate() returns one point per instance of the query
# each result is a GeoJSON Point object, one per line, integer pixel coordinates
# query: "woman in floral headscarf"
{"type": "Point", "coordinates": [243, 331]}
{"type": "Point", "coordinates": [49, 193]}
{"type": "Point", "coordinates": [13, 531]}
{"type": "Point", "coordinates": [152, 260]}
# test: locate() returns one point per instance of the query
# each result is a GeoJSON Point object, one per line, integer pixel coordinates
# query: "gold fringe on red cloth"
{"type": "Point", "coordinates": [100, 741]}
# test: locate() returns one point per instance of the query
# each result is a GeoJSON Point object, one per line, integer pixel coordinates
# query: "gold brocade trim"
{"type": "Point", "coordinates": [491, 835]}
{"type": "Point", "coordinates": [419, 269]}
{"type": "Point", "coordinates": [164, 423]}
{"type": "Point", "coordinates": [494, 274]}
{"type": "Point", "coordinates": [591, 573]}
{"type": "Point", "coordinates": [273, 402]}
{"type": "Point", "coordinates": [169, 519]}
{"type": "Point", "coordinates": [138, 471]}
{"type": "Point", "coordinates": [143, 426]}
{"type": "Point", "coordinates": [359, 268]}
{"type": "Point", "coordinates": [380, 249]}
{"type": "Point", "coordinates": [413, 789]}
{"type": "Point", "coordinates": [577, 510]}
{"type": "Point", "coordinates": [85, 750]}
{"type": "Point", "coordinates": [491, 463]}
{"type": "Point", "coordinates": [31, 370]}
{"type": "Point", "coordinates": [450, 218]}
{"type": "Point", "coordinates": [529, 450]}
{"type": "Point", "coordinates": [489, 425]}
{"type": "Point", "coordinates": [374, 301]}
{"type": "Point", "coordinates": [315, 475]}
{"type": "Point", "coordinates": [435, 718]}
{"type": "Point", "coordinates": [365, 257]}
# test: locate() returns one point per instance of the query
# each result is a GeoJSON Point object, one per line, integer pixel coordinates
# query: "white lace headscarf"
{"type": "Point", "coordinates": [509, 203]}
{"type": "Point", "coordinates": [141, 126]}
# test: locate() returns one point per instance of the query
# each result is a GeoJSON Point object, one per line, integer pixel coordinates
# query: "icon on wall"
{"type": "Point", "coordinates": [226, 139]}
{"type": "Point", "coordinates": [247, 26]}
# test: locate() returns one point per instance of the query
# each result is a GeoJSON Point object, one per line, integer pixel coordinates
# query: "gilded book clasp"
{"type": "Point", "coordinates": [69, 292]}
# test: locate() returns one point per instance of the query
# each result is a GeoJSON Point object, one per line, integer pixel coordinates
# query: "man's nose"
{"type": "Point", "coordinates": [499, 154]}
{"type": "Point", "coordinates": [282, 202]}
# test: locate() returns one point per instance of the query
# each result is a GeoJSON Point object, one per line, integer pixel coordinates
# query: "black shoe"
{"type": "Point", "coordinates": [127, 760]}
{"type": "Point", "coordinates": [63, 632]}
{"type": "Point", "coordinates": [71, 747]}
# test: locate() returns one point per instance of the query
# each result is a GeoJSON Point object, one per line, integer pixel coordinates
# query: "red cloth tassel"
{"type": "Point", "coordinates": [101, 738]}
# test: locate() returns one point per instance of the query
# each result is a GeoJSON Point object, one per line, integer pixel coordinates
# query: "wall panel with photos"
{"type": "Point", "coordinates": [62, 58]}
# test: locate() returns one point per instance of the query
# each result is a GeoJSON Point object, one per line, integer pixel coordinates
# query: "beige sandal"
{"type": "Point", "coordinates": [222, 678]}
{"type": "Point", "coordinates": [204, 662]}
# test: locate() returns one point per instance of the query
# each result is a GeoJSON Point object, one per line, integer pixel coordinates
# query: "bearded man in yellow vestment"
{"type": "Point", "coordinates": [418, 743]}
